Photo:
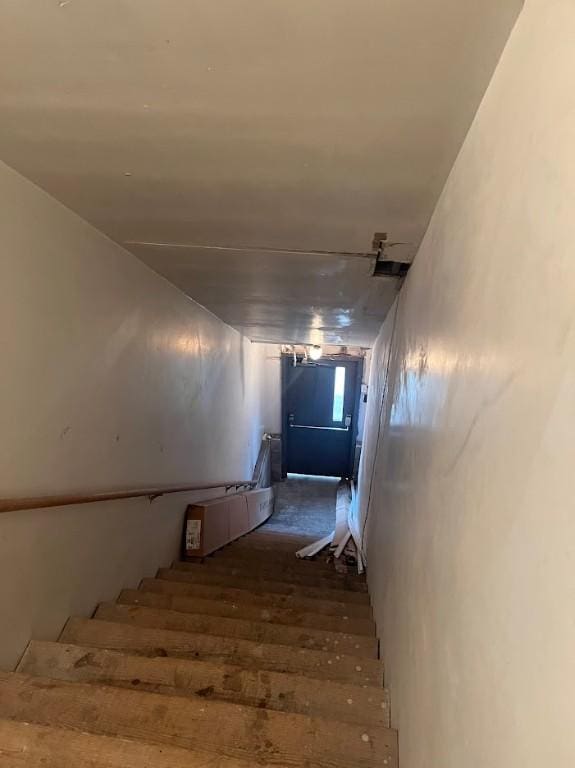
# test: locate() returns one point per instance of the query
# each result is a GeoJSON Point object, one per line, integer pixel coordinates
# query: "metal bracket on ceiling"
{"type": "Point", "coordinates": [379, 242]}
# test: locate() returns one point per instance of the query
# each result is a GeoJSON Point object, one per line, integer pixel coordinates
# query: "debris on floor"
{"type": "Point", "coordinates": [343, 548]}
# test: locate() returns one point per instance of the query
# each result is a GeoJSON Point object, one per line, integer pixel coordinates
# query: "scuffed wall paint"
{"type": "Point", "coordinates": [472, 520]}
{"type": "Point", "coordinates": [111, 378]}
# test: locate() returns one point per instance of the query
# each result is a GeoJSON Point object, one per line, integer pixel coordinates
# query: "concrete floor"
{"type": "Point", "coordinates": [304, 505]}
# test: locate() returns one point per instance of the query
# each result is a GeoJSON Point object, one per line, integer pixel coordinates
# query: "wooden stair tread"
{"type": "Point", "coordinates": [297, 571]}
{"type": "Point", "coordinates": [231, 552]}
{"type": "Point", "coordinates": [267, 543]}
{"type": "Point", "coordinates": [289, 563]}
{"type": "Point", "coordinates": [245, 653]}
{"type": "Point", "coordinates": [143, 608]}
{"type": "Point", "coordinates": [320, 561]}
{"type": "Point", "coordinates": [277, 539]}
{"type": "Point", "coordinates": [319, 608]}
{"type": "Point", "coordinates": [258, 570]}
{"type": "Point", "coordinates": [285, 569]}
{"type": "Point", "coordinates": [223, 682]}
{"type": "Point", "coordinates": [204, 576]}
{"type": "Point", "coordinates": [249, 612]}
{"type": "Point", "coordinates": [220, 728]}
{"type": "Point", "coordinates": [27, 745]}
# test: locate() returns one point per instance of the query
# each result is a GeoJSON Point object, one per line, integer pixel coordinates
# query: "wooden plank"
{"type": "Point", "coordinates": [259, 598]}
{"type": "Point", "coordinates": [262, 471]}
{"type": "Point", "coordinates": [206, 576]}
{"type": "Point", "coordinates": [222, 682]}
{"type": "Point", "coordinates": [27, 745]}
{"type": "Point", "coordinates": [257, 631]}
{"type": "Point", "coordinates": [311, 550]}
{"type": "Point", "coordinates": [342, 504]}
{"type": "Point", "coordinates": [230, 730]}
{"type": "Point", "coordinates": [342, 544]}
{"type": "Point", "coordinates": [223, 650]}
{"type": "Point", "coordinates": [248, 611]}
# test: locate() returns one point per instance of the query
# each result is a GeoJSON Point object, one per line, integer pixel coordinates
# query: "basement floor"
{"type": "Point", "coordinates": [304, 505]}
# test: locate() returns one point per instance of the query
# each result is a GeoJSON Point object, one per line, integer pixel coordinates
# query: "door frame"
{"type": "Point", "coordinates": [287, 362]}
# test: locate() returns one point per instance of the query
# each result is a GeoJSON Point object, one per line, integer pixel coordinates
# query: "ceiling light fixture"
{"type": "Point", "coordinates": [315, 352]}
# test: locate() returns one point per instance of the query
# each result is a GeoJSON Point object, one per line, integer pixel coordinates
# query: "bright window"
{"type": "Point", "coordinates": [338, 393]}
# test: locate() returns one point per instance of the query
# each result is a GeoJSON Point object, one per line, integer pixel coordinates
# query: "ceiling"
{"type": "Point", "coordinates": [303, 124]}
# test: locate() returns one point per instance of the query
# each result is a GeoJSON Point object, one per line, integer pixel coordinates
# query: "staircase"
{"type": "Point", "coordinates": [249, 658]}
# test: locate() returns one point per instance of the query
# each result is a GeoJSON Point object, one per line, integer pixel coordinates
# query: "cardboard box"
{"type": "Point", "coordinates": [260, 505]}
{"type": "Point", "coordinates": [215, 523]}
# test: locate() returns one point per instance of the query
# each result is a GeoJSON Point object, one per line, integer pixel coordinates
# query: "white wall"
{"type": "Point", "coordinates": [375, 425]}
{"type": "Point", "coordinates": [271, 388]}
{"type": "Point", "coordinates": [472, 520]}
{"type": "Point", "coordinates": [111, 378]}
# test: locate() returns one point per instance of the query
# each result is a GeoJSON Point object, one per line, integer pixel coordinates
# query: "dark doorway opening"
{"type": "Point", "coordinates": [320, 405]}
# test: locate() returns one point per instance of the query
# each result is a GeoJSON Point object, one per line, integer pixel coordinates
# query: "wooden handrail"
{"type": "Point", "coordinates": [63, 500]}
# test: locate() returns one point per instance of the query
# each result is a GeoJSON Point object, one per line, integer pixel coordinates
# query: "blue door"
{"type": "Point", "coordinates": [320, 405]}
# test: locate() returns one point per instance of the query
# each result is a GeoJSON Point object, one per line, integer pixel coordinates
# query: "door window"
{"type": "Point", "coordinates": [338, 393]}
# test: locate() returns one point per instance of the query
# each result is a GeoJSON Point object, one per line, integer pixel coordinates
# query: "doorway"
{"type": "Point", "coordinates": [320, 403]}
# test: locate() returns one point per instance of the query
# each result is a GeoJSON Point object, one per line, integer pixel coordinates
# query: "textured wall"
{"type": "Point", "coordinates": [472, 517]}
